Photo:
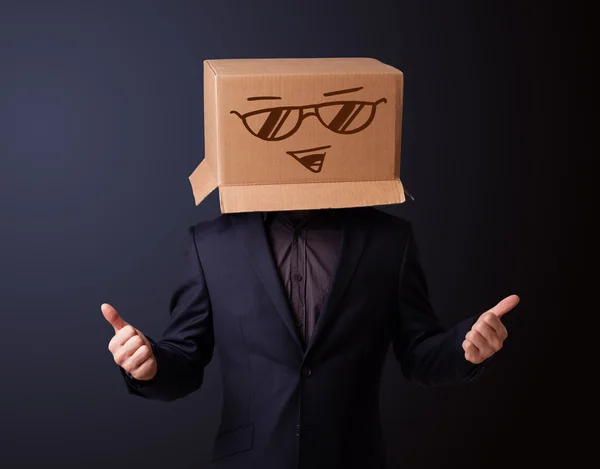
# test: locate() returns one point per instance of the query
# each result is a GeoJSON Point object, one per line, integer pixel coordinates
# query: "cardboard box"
{"type": "Point", "coordinates": [291, 134]}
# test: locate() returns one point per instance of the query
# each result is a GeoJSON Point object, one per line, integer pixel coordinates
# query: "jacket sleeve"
{"type": "Point", "coordinates": [428, 353]}
{"type": "Point", "coordinates": [187, 343]}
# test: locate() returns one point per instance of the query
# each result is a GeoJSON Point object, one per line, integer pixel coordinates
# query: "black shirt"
{"type": "Point", "coordinates": [305, 246]}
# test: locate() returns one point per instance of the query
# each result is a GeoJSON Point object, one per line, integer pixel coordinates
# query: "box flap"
{"type": "Point", "coordinates": [203, 181]}
{"type": "Point", "coordinates": [305, 196]}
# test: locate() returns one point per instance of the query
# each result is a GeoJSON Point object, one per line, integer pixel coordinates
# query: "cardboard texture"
{"type": "Point", "coordinates": [291, 134]}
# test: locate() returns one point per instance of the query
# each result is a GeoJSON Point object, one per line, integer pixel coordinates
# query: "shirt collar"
{"type": "Point", "coordinates": [330, 212]}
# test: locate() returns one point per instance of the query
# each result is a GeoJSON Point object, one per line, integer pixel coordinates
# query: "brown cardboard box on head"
{"type": "Point", "coordinates": [293, 134]}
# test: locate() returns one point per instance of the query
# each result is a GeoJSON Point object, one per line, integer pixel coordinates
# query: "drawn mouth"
{"type": "Point", "coordinates": [313, 161]}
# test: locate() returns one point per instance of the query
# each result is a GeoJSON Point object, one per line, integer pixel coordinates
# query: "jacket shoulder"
{"type": "Point", "coordinates": [211, 227]}
{"type": "Point", "coordinates": [379, 219]}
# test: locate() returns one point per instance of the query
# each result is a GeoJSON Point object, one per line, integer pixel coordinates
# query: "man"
{"type": "Point", "coordinates": [302, 308]}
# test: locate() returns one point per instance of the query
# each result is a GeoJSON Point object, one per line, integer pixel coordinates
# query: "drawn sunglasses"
{"type": "Point", "coordinates": [341, 117]}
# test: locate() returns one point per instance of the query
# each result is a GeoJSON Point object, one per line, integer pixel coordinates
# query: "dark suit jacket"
{"type": "Point", "coordinates": [285, 404]}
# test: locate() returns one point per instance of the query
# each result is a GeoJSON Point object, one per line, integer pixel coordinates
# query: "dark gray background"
{"type": "Point", "coordinates": [101, 123]}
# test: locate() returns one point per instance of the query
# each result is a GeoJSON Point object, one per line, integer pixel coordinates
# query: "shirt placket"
{"type": "Point", "coordinates": [299, 278]}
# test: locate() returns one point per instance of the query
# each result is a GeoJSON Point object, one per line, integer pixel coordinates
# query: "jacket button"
{"type": "Point", "coordinates": [306, 371]}
{"type": "Point", "coordinates": [297, 430]}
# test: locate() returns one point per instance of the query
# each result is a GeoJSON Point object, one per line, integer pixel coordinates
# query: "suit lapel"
{"type": "Point", "coordinates": [251, 232]}
{"type": "Point", "coordinates": [354, 236]}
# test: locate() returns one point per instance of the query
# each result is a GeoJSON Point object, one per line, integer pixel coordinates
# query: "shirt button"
{"type": "Point", "coordinates": [306, 371]}
{"type": "Point", "coordinates": [297, 277]}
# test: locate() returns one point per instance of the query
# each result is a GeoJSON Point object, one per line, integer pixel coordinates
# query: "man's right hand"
{"type": "Point", "coordinates": [130, 348]}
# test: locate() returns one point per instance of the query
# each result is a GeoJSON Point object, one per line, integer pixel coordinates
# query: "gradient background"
{"type": "Point", "coordinates": [101, 123]}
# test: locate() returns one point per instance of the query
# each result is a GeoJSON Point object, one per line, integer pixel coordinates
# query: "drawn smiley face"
{"type": "Point", "coordinates": [277, 123]}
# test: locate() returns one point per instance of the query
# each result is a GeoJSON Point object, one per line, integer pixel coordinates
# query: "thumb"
{"type": "Point", "coordinates": [505, 306]}
{"type": "Point", "coordinates": [112, 316]}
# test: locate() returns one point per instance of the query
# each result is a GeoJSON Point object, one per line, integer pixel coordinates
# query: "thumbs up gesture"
{"type": "Point", "coordinates": [488, 334]}
{"type": "Point", "coordinates": [130, 348]}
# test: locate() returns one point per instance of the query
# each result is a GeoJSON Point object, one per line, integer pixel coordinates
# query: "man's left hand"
{"type": "Point", "coordinates": [488, 334]}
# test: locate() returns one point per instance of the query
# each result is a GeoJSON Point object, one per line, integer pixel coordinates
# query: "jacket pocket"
{"type": "Point", "coordinates": [233, 441]}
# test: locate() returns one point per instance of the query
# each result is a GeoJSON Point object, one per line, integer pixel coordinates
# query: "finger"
{"type": "Point", "coordinates": [467, 344]}
{"type": "Point", "coordinates": [472, 353]}
{"type": "Point", "coordinates": [144, 371]}
{"type": "Point", "coordinates": [132, 345]}
{"type": "Point", "coordinates": [488, 333]}
{"type": "Point", "coordinates": [142, 354]}
{"type": "Point", "coordinates": [128, 349]}
{"type": "Point", "coordinates": [480, 342]}
{"type": "Point", "coordinates": [113, 317]}
{"type": "Point", "coordinates": [495, 323]}
{"type": "Point", "coordinates": [121, 337]}
{"type": "Point", "coordinates": [505, 306]}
